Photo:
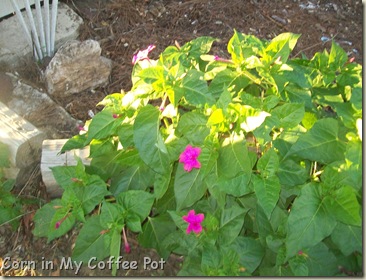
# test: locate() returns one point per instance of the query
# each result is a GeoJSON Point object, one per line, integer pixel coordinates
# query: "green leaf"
{"type": "Point", "coordinates": [137, 202]}
{"type": "Point", "coordinates": [198, 46]}
{"type": "Point", "coordinates": [67, 220]}
{"type": "Point", "coordinates": [224, 99]}
{"type": "Point", "coordinates": [103, 125]}
{"type": "Point", "coordinates": [337, 57]}
{"type": "Point", "coordinates": [154, 231]}
{"type": "Point", "coordinates": [250, 252]}
{"type": "Point", "coordinates": [242, 46]}
{"type": "Point", "coordinates": [43, 217]}
{"type": "Point", "coordinates": [270, 102]}
{"type": "Point", "coordinates": [309, 120]}
{"type": "Point", "coordinates": [92, 242]}
{"type": "Point", "coordinates": [267, 191]}
{"type": "Point", "coordinates": [343, 205]}
{"type": "Point", "coordinates": [231, 223]}
{"type": "Point", "coordinates": [268, 164]}
{"type": "Point", "coordinates": [292, 73]}
{"type": "Point", "coordinates": [320, 143]}
{"type": "Point", "coordinates": [92, 193]}
{"type": "Point", "coordinates": [76, 142]}
{"type": "Point", "coordinates": [177, 217]}
{"type": "Point", "coordinates": [321, 261]}
{"type": "Point", "coordinates": [161, 184]}
{"type": "Point", "coordinates": [115, 248]}
{"type": "Point", "coordinates": [111, 213]}
{"type": "Point", "coordinates": [149, 141]}
{"type": "Point", "coordinates": [194, 89]}
{"type": "Point", "coordinates": [295, 94]}
{"type": "Point", "coordinates": [292, 173]}
{"type": "Point", "coordinates": [138, 177]}
{"type": "Point", "coordinates": [10, 214]}
{"type": "Point", "coordinates": [134, 223]}
{"type": "Point", "coordinates": [4, 155]}
{"type": "Point", "coordinates": [354, 162]}
{"type": "Point", "coordinates": [347, 238]}
{"type": "Point", "coordinates": [298, 266]}
{"type": "Point", "coordinates": [237, 186]}
{"type": "Point", "coordinates": [152, 74]}
{"type": "Point", "coordinates": [234, 166]}
{"type": "Point", "coordinates": [63, 175]}
{"type": "Point", "coordinates": [125, 135]}
{"type": "Point", "coordinates": [7, 185]}
{"type": "Point", "coordinates": [193, 126]}
{"type": "Point", "coordinates": [280, 47]}
{"type": "Point", "coordinates": [263, 225]}
{"type": "Point", "coordinates": [228, 81]}
{"type": "Point", "coordinates": [101, 147]}
{"type": "Point", "coordinates": [233, 158]}
{"type": "Point", "coordinates": [210, 258]}
{"type": "Point", "coordinates": [289, 114]}
{"type": "Point", "coordinates": [309, 222]}
{"type": "Point", "coordinates": [189, 187]}
{"type": "Point", "coordinates": [191, 266]}
{"type": "Point", "coordinates": [167, 202]}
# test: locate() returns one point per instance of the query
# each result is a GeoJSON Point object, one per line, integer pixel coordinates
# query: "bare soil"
{"type": "Point", "coordinates": [122, 27]}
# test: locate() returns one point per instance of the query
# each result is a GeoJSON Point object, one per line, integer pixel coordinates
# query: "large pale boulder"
{"type": "Point", "coordinates": [77, 66]}
{"type": "Point", "coordinates": [38, 108]}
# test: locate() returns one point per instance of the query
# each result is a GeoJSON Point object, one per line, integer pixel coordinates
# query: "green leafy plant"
{"type": "Point", "coordinates": [246, 165]}
{"type": "Point", "coordinates": [10, 205]}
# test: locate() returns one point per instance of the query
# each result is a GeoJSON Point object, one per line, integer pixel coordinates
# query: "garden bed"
{"type": "Point", "coordinates": [124, 27]}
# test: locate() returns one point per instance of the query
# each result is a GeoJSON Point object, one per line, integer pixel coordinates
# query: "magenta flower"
{"type": "Point", "coordinates": [194, 221]}
{"type": "Point", "coordinates": [189, 158]}
{"type": "Point", "coordinates": [58, 224]}
{"type": "Point", "coordinates": [127, 246]}
{"type": "Point", "coordinates": [81, 128]}
{"type": "Point", "coordinates": [217, 58]}
{"type": "Point", "coordinates": [141, 55]}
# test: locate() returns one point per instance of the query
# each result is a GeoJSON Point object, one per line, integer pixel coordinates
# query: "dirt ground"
{"type": "Point", "coordinates": [122, 27]}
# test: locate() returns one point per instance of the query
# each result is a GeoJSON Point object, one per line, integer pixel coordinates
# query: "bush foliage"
{"type": "Point", "coordinates": [279, 180]}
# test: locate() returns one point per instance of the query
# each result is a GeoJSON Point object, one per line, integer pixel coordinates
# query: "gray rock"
{"type": "Point", "coordinates": [39, 109]}
{"type": "Point", "coordinates": [77, 66]}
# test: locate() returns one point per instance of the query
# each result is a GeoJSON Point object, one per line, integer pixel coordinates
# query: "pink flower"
{"type": "Point", "coordinates": [127, 246]}
{"type": "Point", "coordinates": [115, 116]}
{"type": "Point", "coordinates": [189, 158]}
{"type": "Point", "coordinates": [58, 224]}
{"type": "Point", "coordinates": [217, 58]}
{"type": "Point", "coordinates": [194, 221]}
{"type": "Point", "coordinates": [141, 55]}
{"type": "Point", "coordinates": [81, 128]}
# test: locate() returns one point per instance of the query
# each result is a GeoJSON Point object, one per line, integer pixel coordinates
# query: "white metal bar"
{"type": "Point", "coordinates": [53, 24]}
{"type": "Point", "coordinates": [21, 21]}
{"type": "Point", "coordinates": [48, 39]}
{"type": "Point", "coordinates": [41, 26]}
{"type": "Point", "coordinates": [25, 28]}
{"type": "Point", "coordinates": [34, 30]}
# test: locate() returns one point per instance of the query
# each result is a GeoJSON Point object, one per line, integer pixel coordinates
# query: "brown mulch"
{"type": "Point", "coordinates": [122, 27]}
